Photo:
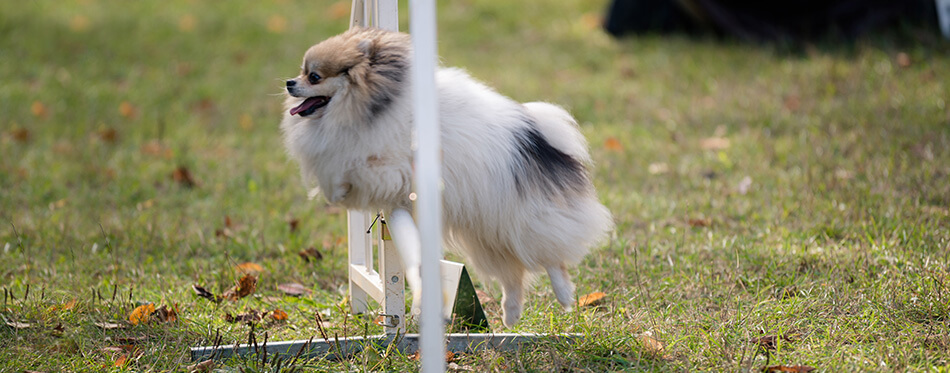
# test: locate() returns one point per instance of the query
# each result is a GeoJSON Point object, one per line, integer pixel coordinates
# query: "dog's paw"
{"type": "Point", "coordinates": [340, 192]}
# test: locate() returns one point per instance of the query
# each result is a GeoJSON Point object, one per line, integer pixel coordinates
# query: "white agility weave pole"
{"type": "Point", "coordinates": [425, 111]}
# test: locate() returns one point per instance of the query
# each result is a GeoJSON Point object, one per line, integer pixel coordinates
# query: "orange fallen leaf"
{"type": "Point", "coordinates": [187, 23]}
{"type": "Point", "coordinates": [591, 21]}
{"type": "Point", "coordinates": [155, 148]}
{"type": "Point", "coordinates": [121, 361]}
{"type": "Point", "coordinates": [127, 110]}
{"type": "Point", "coordinates": [249, 268]}
{"type": "Point", "coordinates": [246, 122]}
{"type": "Point", "coordinates": [182, 176]}
{"type": "Point", "coordinates": [277, 24]}
{"type": "Point", "coordinates": [699, 222]}
{"type": "Point", "coordinates": [788, 369]}
{"type": "Point", "coordinates": [903, 59]}
{"type": "Point", "coordinates": [38, 109]}
{"type": "Point", "coordinates": [613, 144]}
{"type": "Point", "coordinates": [79, 23]}
{"type": "Point", "coordinates": [141, 314]}
{"type": "Point", "coordinates": [591, 299]}
{"type": "Point", "coordinates": [166, 314]}
{"type": "Point", "coordinates": [339, 10]}
{"type": "Point", "coordinates": [650, 344]}
{"type": "Point", "coordinates": [278, 315]}
{"type": "Point", "coordinates": [245, 286]}
{"type": "Point", "coordinates": [64, 307]}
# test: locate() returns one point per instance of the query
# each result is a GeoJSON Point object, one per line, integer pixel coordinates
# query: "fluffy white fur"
{"type": "Point", "coordinates": [517, 195]}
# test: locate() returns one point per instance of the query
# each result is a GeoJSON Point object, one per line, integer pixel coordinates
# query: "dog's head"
{"type": "Point", "coordinates": [352, 77]}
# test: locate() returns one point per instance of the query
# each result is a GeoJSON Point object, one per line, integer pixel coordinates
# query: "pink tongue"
{"type": "Point", "coordinates": [307, 104]}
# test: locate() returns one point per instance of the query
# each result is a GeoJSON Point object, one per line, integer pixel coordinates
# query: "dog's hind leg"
{"type": "Point", "coordinates": [512, 300]}
{"type": "Point", "coordinates": [561, 282]}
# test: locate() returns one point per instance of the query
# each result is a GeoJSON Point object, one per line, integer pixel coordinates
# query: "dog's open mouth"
{"type": "Point", "coordinates": [310, 105]}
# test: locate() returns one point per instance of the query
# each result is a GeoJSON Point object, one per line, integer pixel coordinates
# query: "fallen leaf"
{"type": "Point", "coordinates": [131, 340]}
{"type": "Point", "coordinates": [182, 176]}
{"type": "Point", "coordinates": [591, 21]}
{"type": "Point", "coordinates": [245, 286]}
{"type": "Point", "coordinates": [201, 292]}
{"type": "Point", "coordinates": [204, 366]}
{"type": "Point", "coordinates": [294, 289]}
{"type": "Point", "coordinates": [788, 369]}
{"type": "Point", "coordinates": [121, 361]}
{"type": "Point", "coordinates": [141, 314]}
{"type": "Point", "coordinates": [18, 325]}
{"type": "Point", "coordinates": [79, 23]}
{"type": "Point", "coordinates": [449, 356]}
{"type": "Point", "coordinates": [278, 315]}
{"type": "Point", "coordinates": [483, 297]}
{"type": "Point", "coordinates": [591, 299]}
{"type": "Point", "coordinates": [699, 222]}
{"type": "Point", "coordinates": [650, 344]}
{"type": "Point", "coordinates": [187, 23]}
{"type": "Point", "coordinates": [38, 109]}
{"type": "Point", "coordinates": [64, 307]}
{"type": "Point", "coordinates": [311, 252]}
{"type": "Point", "coordinates": [121, 348]}
{"type": "Point", "coordinates": [127, 110]}
{"type": "Point", "coordinates": [165, 314]}
{"type": "Point", "coordinates": [792, 102]}
{"type": "Point", "coordinates": [339, 10]}
{"type": "Point", "coordinates": [767, 342]}
{"type": "Point", "coordinates": [250, 316]}
{"type": "Point", "coordinates": [658, 168]}
{"type": "Point", "coordinates": [20, 134]}
{"type": "Point", "coordinates": [248, 268]}
{"type": "Point", "coordinates": [714, 143]}
{"type": "Point", "coordinates": [108, 325]}
{"type": "Point", "coordinates": [903, 60]}
{"type": "Point", "coordinates": [744, 185]}
{"type": "Point", "coordinates": [155, 148]}
{"type": "Point", "coordinates": [277, 24]}
{"type": "Point", "coordinates": [108, 135]}
{"type": "Point", "coordinates": [246, 121]}
{"type": "Point", "coordinates": [613, 144]}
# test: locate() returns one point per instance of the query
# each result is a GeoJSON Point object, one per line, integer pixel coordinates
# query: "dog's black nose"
{"type": "Point", "coordinates": [291, 83]}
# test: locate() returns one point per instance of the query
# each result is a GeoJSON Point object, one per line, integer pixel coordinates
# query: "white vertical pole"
{"type": "Point", "coordinates": [427, 179]}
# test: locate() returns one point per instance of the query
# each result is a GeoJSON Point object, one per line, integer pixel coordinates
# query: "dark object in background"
{"type": "Point", "coordinates": [758, 20]}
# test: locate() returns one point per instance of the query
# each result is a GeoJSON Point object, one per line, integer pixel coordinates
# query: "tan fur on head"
{"type": "Point", "coordinates": [361, 71]}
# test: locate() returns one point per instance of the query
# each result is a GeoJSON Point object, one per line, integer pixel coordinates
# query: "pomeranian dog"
{"type": "Point", "coordinates": [517, 195]}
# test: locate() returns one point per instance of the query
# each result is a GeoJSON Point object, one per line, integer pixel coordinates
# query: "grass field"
{"type": "Point", "coordinates": [774, 206]}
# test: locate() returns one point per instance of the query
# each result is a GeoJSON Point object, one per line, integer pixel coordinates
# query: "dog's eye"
{"type": "Point", "coordinates": [313, 78]}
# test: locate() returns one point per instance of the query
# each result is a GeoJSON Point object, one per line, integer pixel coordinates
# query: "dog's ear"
{"type": "Point", "coordinates": [367, 47]}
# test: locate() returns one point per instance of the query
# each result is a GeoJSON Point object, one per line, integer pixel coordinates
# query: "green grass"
{"type": "Point", "coordinates": [841, 242]}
